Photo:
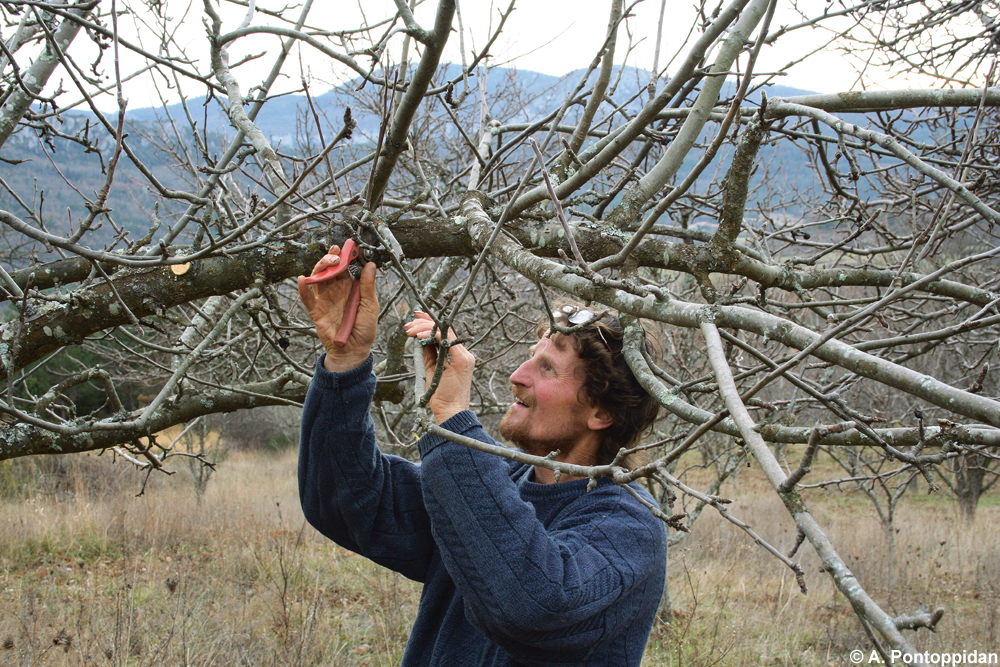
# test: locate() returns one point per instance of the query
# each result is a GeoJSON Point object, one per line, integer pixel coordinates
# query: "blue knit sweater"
{"type": "Point", "coordinates": [514, 572]}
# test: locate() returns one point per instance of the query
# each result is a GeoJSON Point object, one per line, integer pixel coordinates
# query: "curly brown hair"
{"type": "Point", "coordinates": [608, 380]}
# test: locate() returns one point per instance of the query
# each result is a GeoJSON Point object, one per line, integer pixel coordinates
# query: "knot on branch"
{"type": "Point", "coordinates": [707, 314]}
{"type": "Point", "coordinates": [676, 521]}
{"type": "Point", "coordinates": [800, 578]}
{"type": "Point", "coordinates": [922, 618]}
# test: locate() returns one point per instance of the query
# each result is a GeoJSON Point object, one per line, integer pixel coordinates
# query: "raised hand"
{"type": "Point", "coordinates": [453, 392]}
{"type": "Point", "coordinates": [326, 302]}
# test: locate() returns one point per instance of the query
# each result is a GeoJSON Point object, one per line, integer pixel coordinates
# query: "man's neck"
{"type": "Point", "coordinates": [546, 476]}
{"type": "Point", "coordinates": [579, 455]}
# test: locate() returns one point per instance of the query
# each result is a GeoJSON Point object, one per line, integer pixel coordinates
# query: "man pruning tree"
{"type": "Point", "coordinates": [517, 569]}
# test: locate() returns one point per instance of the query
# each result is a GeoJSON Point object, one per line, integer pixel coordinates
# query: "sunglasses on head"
{"type": "Point", "coordinates": [575, 316]}
{"type": "Point", "coordinates": [572, 315]}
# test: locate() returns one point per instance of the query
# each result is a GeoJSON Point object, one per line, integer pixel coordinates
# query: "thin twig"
{"type": "Point", "coordinates": [557, 205]}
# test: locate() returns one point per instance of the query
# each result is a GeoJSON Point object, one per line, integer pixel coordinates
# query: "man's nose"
{"type": "Point", "coordinates": [521, 376]}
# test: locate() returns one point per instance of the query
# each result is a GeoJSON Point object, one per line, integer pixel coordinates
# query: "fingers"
{"type": "Point", "coordinates": [331, 258]}
{"type": "Point", "coordinates": [422, 325]}
{"type": "Point", "coordinates": [329, 266]}
{"type": "Point", "coordinates": [306, 294]}
{"type": "Point", "coordinates": [417, 328]}
{"type": "Point", "coordinates": [326, 298]}
{"type": "Point", "coordinates": [420, 328]}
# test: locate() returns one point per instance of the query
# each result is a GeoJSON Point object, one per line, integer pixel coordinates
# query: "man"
{"type": "Point", "coordinates": [517, 569]}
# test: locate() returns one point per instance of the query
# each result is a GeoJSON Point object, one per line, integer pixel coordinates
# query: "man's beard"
{"type": "Point", "coordinates": [517, 434]}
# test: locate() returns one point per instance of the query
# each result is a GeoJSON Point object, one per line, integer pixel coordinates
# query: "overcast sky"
{"type": "Point", "coordinates": [553, 37]}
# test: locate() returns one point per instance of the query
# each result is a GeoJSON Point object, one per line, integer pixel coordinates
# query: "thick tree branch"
{"type": "Point", "coordinates": [665, 169]}
{"type": "Point", "coordinates": [764, 324]}
{"type": "Point", "coordinates": [36, 77]}
{"type": "Point", "coordinates": [396, 136]}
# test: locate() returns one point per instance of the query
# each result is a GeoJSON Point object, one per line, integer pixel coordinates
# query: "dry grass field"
{"type": "Point", "coordinates": [92, 575]}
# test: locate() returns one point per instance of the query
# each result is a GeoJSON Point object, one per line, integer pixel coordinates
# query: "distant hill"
{"type": "Point", "coordinates": [542, 92]}
{"type": "Point", "coordinates": [514, 96]}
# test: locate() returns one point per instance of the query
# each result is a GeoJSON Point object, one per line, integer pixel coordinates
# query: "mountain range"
{"type": "Point", "coordinates": [48, 169]}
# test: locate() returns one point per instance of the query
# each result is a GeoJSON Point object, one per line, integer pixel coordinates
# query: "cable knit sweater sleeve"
{"type": "Point", "coordinates": [361, 499]}
{"type": "Point", "coordinates": [558, 592]}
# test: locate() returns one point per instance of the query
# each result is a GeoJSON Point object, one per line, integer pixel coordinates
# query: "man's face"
{"type": "Point", "coordinates": [547, 413]}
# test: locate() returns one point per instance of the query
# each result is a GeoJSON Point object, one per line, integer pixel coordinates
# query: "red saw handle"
{"type": "Point", "coordinates": [350, 314]}
{"type": "Point", "coordinates": [348, 254]}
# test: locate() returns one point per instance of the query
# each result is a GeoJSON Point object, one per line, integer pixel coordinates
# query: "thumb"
{"type": "Point", "coordinates": [368, 284]}
{"type": "Point", "coordinates": [430, 360]}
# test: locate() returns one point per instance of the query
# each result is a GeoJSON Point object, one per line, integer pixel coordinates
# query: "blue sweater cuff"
{"type": "Point", "coordinates": [327, 380]}
{"type": "Point", "coordinates": [461, 423]}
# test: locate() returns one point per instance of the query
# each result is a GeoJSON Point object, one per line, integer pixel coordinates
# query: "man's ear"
{"type": "Point", "coordinates": [599, 419]}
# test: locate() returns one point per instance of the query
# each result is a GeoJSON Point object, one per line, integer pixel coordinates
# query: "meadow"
{"type": "Point", "coordinates": [92, 575]}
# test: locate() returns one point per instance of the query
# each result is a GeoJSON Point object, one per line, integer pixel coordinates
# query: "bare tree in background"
{"type": "Point", "coordinates": [820, 269]}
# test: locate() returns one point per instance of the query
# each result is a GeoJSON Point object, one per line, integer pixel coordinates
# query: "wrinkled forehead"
{"type": "Point", "coordinates": [556, 343]}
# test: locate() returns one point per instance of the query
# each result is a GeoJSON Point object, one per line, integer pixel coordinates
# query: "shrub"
{"type": "Point", "coordinates": [269, 429]}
